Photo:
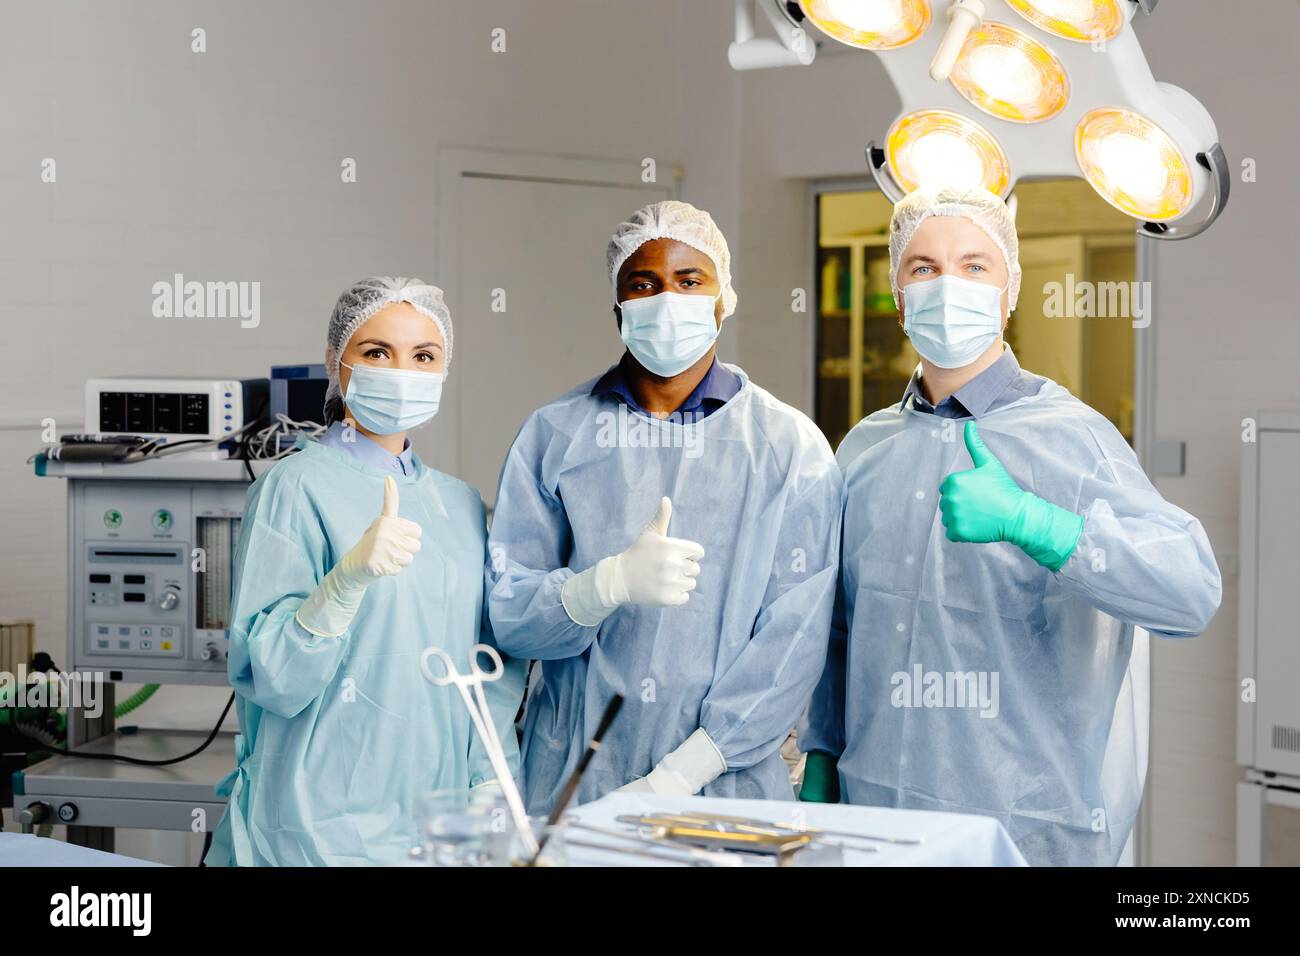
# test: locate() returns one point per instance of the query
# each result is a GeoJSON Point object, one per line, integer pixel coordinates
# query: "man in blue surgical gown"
{"type": "Point", "coordinates": [667, 531]}
{"type": "Point", "coordinates": [1001, 545]}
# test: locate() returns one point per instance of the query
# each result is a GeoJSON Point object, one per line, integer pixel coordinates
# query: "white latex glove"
{"type": "Point", "coordinates": [639, 785]}
{"type": "Point", "coordinates": [389, 545]}
{"type": "Point", "coordinates": [657, 571]}
{"type": "Point", "coordinates": [684, 772]}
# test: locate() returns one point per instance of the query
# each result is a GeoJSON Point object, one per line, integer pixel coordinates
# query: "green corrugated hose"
{"type": "Point", "coordinates": [120, 711]}
{"type": "Point", "coordinates": [135, 700]}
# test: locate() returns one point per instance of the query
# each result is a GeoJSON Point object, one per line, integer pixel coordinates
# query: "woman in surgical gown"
{"type": "Point", "coordinates": [354, 557]}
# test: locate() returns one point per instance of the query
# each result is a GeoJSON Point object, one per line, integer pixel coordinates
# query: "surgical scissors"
{"type": "Point", "coordinates": [481, 715]}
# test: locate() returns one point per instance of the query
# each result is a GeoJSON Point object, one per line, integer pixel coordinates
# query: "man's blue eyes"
{"type": "Point", "coordinates": [974, 266]}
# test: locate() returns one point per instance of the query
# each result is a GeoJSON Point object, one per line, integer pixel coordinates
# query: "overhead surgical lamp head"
{"type": "Point", "coordinates": [996, 91]}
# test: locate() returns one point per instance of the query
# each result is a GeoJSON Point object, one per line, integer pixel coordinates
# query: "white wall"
{"type": "Point", "coordinates": [798, 125]}
{"type": "Point", "coordinates": [226, 166]}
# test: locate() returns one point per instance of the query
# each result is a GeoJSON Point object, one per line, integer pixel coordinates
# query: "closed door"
{"type": "Point", "coordinates": [531, 305]}
{"type": "Point", "coordinates": [1277, 713]}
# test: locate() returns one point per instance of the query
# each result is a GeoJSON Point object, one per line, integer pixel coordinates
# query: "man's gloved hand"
{"type": "Point", "coordinates": [657, 571]}
{"type": "Point", "coordinates": [388, 546]}
{"type": "Point", "coordinates": [985, 504]}
{"type": "Point", "coordinates": [684, 772]}
{"type": "Point", "coordinates": [821, 778]}
{"type": "Point", "coordinates": [639, 785]}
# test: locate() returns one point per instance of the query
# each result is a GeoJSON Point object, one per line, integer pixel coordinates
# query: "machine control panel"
{"type": "Point", "coordinates": [163, 640]}
{"type": "Point", "coordinates": [152, 575]}
{"type": "Point", "coordinates": [136, 597]}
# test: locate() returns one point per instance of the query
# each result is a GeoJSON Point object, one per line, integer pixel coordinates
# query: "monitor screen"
{"type": "Point", "coordinates": [154, 413]}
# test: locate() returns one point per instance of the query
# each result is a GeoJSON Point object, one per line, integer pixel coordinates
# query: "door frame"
{"type": "Point", "coordinates": [455, 163]}
{"type": "Point", "coordinates": [1144, 431]}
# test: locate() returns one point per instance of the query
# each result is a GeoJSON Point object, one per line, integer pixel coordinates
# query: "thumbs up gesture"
{"type": "Point", "coordinates": [981, 504]}
{"type": "Point", "coordinates": [984, 504]}
{"type": "Point", "coordinates": [389, 544]}
{"type": "Point", "coordinates": [657, 571]}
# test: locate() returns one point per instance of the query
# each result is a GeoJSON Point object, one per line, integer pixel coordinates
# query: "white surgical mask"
{"type": "Point", "coordinates": [952, 321]}
{"type": "Point", "coordinates": [391, 400]}
{"type": "Point", "coordinates": [667, 333]}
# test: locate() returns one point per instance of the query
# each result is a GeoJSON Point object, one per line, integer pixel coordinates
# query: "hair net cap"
{"type": "Point", "coordinates": [673, 220]}
{"type": "Point", "coordinates": [978, 205]}
{"type": "Point", "coordinates": [362, 300]}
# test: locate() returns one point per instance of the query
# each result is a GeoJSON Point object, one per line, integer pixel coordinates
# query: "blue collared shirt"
{"type": "Point", "coordinates": [367, 450]}
{"type": "Point", "coordinates": [1000, 384]}
{"type": "Point", "coordinates": [719, 386]}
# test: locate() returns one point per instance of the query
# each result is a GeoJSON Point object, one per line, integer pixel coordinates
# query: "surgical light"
{"type": "Point", "coordinates": [1088, 21]}
{"type": "Point", "coordinates": [996, 91]}
{"type": "Point", "coordinates": [870, 24]}
{"type": "Point", "coordinates": [1133, 164]}
{"type": "Point", "coordinates": [931, 148]}
{"type": "Point", "coordinates": [1010, 75]}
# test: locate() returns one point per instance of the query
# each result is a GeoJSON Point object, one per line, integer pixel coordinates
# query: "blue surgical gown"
{"type": "Point", "coordinates": [340, 735]}
{"type": "Point", "coordinates": [1057, 749]}
{"type": "Point", "coordinates": [756, 485]}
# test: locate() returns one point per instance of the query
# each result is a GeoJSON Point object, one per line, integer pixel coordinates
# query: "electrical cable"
{"type": "Point", "coordinates": [141, 761]}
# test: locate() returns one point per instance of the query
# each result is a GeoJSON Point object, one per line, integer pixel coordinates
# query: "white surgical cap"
{"type": "Point", "coordinates": [673, 220]}
{"type": "Point", "coordinates": [978, 205]}
{"type": "Point", "coordinates": [362, 300]}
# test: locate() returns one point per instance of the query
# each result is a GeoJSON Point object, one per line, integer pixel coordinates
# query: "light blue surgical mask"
{"type": "Point", "coordinates": [391, 400]}
{"type": "Point", "coordinates": [952, 321]}
{"type": "Point", "coordinates": [667, 333]}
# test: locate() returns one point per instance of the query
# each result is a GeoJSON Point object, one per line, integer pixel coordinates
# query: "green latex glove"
{"type": "Point", "coordinates": [985, 504]}
{"type": "Point", "coordinates": [821, 779]}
